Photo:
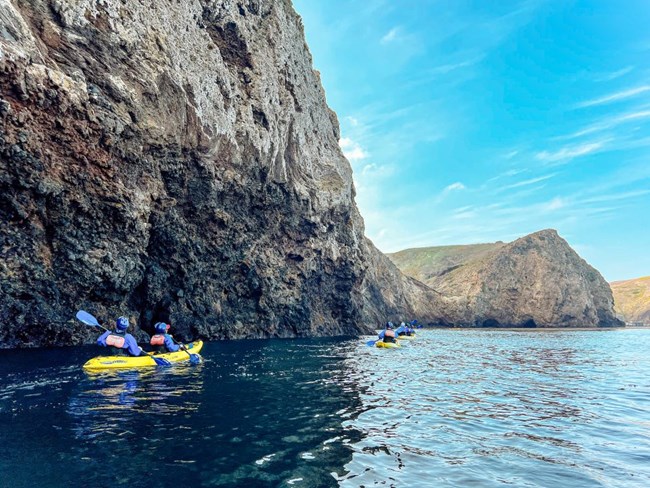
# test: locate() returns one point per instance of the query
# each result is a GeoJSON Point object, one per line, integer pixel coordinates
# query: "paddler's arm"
{"type": "Point", "coordinates": [132, 346]}
{"type": "Point", "coordinates": [101, 340]}
{"type": "Point", "coordinates": [170, 344]}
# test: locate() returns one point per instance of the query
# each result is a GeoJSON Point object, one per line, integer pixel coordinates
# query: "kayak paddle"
{"type": "Point", "coordinates": [194, 358]}
{"type": "Point", "coordinates": [371, 343]}
{"type": "Point", "coordinates": [88, 319]}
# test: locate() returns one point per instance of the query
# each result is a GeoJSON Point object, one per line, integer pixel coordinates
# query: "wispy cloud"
{"type": "Point", "coordinates": [608, 123]}
{"type": "Point", "coordinates": [614, 97]}
{"type": "Point", "coordinates": [352, 150]}
{"type": "Point", "coordinates": [530, 181]}
{"type": "Point", "coordinates": [454, 186]}
{"type": "Point", "coordinates": [449, 67]}
{"type": "Point", "coordinates": [567, 153]}
{"type": "Point", "coordinates": [391, 35]}
{"type": "Point", "coordinates": [354, 122]}
{"type": "Point", "coordinates": [615, 196]}
{"type": "Point", "coordinates": [555, 204]}
{"type": "Point", "coordinates": [615, 74]}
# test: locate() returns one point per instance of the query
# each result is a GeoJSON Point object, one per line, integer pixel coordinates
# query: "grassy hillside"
{"type": "Point", "coordinates": [632, 299]}
{"type": "Point", "coordinates": [427, 263]}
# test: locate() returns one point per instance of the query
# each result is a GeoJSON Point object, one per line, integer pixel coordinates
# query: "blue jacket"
{"type": "Point", "coordinates": [170, 344]}
{"type": "Point", "coordinates": [404, 330]}
{"type": "Point", "coordinates": [129, 343]}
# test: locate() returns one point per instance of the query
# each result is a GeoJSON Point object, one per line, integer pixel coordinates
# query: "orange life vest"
{"type": "Point", "coordinates": [115, 341]}
{"type": "Point", "coordinates": [157, 340]}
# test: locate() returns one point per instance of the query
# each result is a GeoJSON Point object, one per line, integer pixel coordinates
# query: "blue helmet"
{"type": "Point", "coordinates": [389, 325]}
{"type": "Point", "coordinates": [413, 322]}
{"type": "Point", "coordinates": [161, 327]}
{"type": "Point", "coordinates": [122, 323]}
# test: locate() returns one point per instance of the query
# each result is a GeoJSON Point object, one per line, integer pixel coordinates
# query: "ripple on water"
{"type": "Point", "coordinates": [452, 408]}
{"type": "Point", "coordinates": [488, 408]}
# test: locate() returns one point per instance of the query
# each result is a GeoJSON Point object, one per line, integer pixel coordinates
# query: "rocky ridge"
{"type": "Point", "coordinates": [535, 281]}
{"type": "Point", "coordinates": [632, 300]}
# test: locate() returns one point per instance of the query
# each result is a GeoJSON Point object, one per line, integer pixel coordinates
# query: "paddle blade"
{"type": "Point", "coordinates": [195, 359]}
{"type": "Point", "coordinates": [87, 319]}
{"type": "Point", "coordinates": [370, 343]}
{"type": "Point", "coordinates": [161, 361]}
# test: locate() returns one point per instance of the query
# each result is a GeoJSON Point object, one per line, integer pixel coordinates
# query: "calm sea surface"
{"type": "Point", "coordinates": [452, 408]}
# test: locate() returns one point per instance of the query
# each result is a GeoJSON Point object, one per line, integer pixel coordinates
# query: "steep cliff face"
{"type": "Point", "coordinates": [177, 161]}
{"type": "Point", "coordinates": [172, 161]}
{"type": "Point", "coordinates": [632, 299]}
{"type": "Point", "coordinates": [535, 281]}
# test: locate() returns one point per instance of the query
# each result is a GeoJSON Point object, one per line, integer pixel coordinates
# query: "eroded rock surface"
{"type": "Point", "coordinates": [172, 161]}
{"type": "Point", "coordinates": [177, 161]}
{"type": "Point", "coordinates": [535, 281]}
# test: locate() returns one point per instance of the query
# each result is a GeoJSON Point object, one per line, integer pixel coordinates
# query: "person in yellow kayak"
{"type": "Point", "coordinates": [120, 343]}
{"type": "Point", "coordinates": [163, 342]}
{"type": "Point", "coordinates": [388, 334]}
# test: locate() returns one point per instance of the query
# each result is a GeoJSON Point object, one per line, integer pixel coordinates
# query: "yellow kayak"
{"type": "Point", "coordinates": [144, 361]}
{"type": "Point", "coordinates": [387, 345]}
{"type": "Point", "coordinates": [408, 338]}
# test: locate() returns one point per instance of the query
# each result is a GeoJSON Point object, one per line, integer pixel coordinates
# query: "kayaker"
{"type": "Point", "coordinates": [388, 334]}
{"type": "Point", "coordinates": [121, 343]}
{"type": "Point", "coordinates": [403, 329]}
{"type": "Point", "coordinates": [162, 341]}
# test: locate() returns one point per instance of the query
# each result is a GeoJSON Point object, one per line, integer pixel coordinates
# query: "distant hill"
{"type": "Point", "coordinates": [427, 264]}
{"type": "Point", "coordinates": [535, 281]}
{"type": "Point", "coordinates": [632, 299]}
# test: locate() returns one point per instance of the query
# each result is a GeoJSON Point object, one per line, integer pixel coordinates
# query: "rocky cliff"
{"type": "Point", "coordinates": [173, 161]}
{"type": "Point", "coordinates": [535, 281]}
{"type": "Point", "coordinates": [177, 161]}
{"type": "Point", "coordinates": [632, 299]}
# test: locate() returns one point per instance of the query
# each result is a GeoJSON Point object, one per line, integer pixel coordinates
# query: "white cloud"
{"type": "Point", "coordinates": [555, 204]}
{"type": "Point", "coordinates": [616, 196]}
{"type": "Point", "coordinates": [390, 36]}
{"type": "Point", "coordinates": [447, 68]}
{"type": "Point", "coordinates": [608, 123]}
{"type": "Point", "coordinates": [457, 186]}
{"type": "Point", "coordinates": [568, 153]}
{"type": "Point", "coordinates": [454, 186]}
{"type": "Point", "coordinates": [614, 97]}
{"type": "Point", "coordinates": [530, 181]}
{"type": "Point", "coordinates": [615, 74]}
{"type": "Point", "coordinates": [353, 121]}
{"type": "Point", "coordinates": [352, 150]}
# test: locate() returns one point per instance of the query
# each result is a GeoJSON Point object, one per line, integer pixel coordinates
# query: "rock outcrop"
{"type": "Point", "coordinates": [173, 161]}
{"type": "Point", "coordinates": [535, 281]}
{"type": "Point", "coordinates": [177, 161]}
{"type": "Point", "coordinates": [632, 300]}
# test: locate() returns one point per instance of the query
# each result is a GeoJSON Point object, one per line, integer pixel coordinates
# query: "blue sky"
{"type": "Point", "coordinates": [478, 121]}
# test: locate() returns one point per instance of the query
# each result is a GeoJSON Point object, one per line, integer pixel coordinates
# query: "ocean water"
{"type": "Point", "coordinates": [480, 408]}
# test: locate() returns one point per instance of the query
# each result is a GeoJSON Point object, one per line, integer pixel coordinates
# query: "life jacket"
{"type": "Point", "coordinates": [158, 343]}
{"type": "Point", "coordinates": [116, 344]}
{"type": "Point", "coordinates": [389, 335]}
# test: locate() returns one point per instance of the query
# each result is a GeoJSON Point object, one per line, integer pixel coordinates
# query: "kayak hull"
{"type": "Point", "coordinates": [405, 337]}
{"type": "Point", "coordinates": [143, 361]}
{"type": "Point", "coordinates": [387, 345]}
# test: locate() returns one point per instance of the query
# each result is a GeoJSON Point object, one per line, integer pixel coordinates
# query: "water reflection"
{"type": "Point", "coordinates": [490, 408]}
{"type": "Point", "coordinates": [108, 402]}
{"type": "Point", "coordinates": [453, 408]}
